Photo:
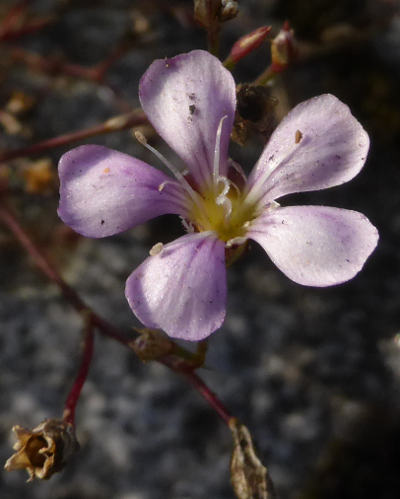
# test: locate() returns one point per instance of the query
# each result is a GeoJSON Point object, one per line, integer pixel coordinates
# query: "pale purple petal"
{"type": "Point", "coordinates": [316, 245]}
{"type": "Point", "coordinates": [103, 192]}
{"type": "Point", "coordinates": [318, 145]}
{"type": "Point", "coordinates": [185, 98]}
{"type": "Point", "coordinates": [182, 289]}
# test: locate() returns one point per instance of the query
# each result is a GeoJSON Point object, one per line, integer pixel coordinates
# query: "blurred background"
{"type": "Point", "coordinates": [314, 373]}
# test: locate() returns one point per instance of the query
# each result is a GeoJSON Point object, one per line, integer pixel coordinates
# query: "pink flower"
{"type": "Point", "coordinates": [190, 100]}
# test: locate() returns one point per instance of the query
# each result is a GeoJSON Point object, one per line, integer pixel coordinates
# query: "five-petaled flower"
{"type": "Point", "coordinates": [190, 100]}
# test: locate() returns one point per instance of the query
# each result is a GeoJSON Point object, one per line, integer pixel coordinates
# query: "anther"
{"type": "Point", "coordinates": [298, 136]}
{"type": "Point", "coordinates": [156, 249]}
{"type": "Point", "coordinates": [140, 138]}
{"type": "Point", "coordinates": [178, 174]}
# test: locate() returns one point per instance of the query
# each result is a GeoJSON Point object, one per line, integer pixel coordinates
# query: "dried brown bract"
{"type": "Point", "coordinates": [255, 112]}
{"type": "Point", "coordinates": [151, 344]}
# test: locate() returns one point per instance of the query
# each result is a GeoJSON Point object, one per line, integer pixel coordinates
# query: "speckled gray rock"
{"type": "Point", "coordinates": [300, 366]}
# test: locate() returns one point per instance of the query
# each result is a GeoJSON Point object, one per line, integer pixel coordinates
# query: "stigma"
{"type": "Point", "coordinates": [224, 211]}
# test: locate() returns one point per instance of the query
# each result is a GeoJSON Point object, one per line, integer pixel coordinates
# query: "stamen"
{"type": "Point", "coordinates": [222, 199]}
{"type": "Point", "coordinates": [226, 205]}
{"type": "Point", "coordinates": [232, 184]}
{"type": "Point", "coordinates": [178, 175]}
{"type": "Point", "coordinates": [225, 188]}
{"type": "Point", "coordinates": [217, 151]}
{"type": "Point", "coordinates": [163, 184]}
{"type": "Point", "coordinates": [187, 225]}
{"type": "Point", "coordinates": [255, 192]}
{"type": "Point", "coordinates": [142, 140]}
{"type": "Point", "coordinates": [235, 241]}
{"type": "Point", "coordinates": [238, 169]}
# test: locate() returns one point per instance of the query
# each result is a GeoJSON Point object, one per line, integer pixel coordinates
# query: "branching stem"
{"type": "Point", "coordinates": [96, 321]}
{"type": "Point", "coordinates": [116, 124]}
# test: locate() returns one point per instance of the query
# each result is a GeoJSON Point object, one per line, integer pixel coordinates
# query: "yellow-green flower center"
{"type": "Point", "coordinates": [229, 215]}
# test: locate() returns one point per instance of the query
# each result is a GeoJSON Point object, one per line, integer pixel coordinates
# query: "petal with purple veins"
{"type": "Point", "coordinates": [182, 288]}
{"type": "Point", "coordinates": [185, 99]}
{"type": "Point", "coordinates": [104, 192]}
{"type": "Point", "coordinates": [315, 245]}
{"type": "Point", "coordinates": [318, 145]}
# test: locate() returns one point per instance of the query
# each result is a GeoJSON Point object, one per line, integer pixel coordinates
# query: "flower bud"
{"type": "Point", "coordinates": [283, 49]}
{"type": "Point", "coordinates": [246, 44]}
{"type": "Point", "coordinates": [44, 450]}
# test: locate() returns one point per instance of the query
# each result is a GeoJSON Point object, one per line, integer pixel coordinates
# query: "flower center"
{"type": "Point", "coordinates": [223, 210]}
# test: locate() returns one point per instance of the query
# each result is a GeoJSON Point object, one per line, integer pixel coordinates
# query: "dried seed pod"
{"type": "Point", "coordinates": [250, 479]}
{"type": "Point", "coordinates": [44, 450]}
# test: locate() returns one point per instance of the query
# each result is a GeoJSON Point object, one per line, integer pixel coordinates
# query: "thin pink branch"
{"type": "Point", "coordinates": [103, 326]}
{"type": "Point", "coordinates": [118, 123]}
{"type": "Point", "coordinates": [74, 394]}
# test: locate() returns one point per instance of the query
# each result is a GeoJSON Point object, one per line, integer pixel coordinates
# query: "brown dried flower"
{"type": "Point", "coordinates": [249, 477]}
{"type": "Point", "coordinates": [44, 450]}
{"type": "Point", "coordinates": [209, 12]}
{"type": "Point", "coordinates": [39, 176]}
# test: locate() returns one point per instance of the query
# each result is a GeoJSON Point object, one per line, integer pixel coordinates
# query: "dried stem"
{"type": "Point", "coordinates": [73, 396]}
{"type": "Point", "coordinates": [118, 123]}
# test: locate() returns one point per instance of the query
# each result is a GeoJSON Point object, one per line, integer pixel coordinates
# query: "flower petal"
{"type": "Point", "coordinates": [316, 245]}
{"type": "Point", "coordinates": [185, 99]}
{"type": "Point", "coordinates": [318, 145]}
{"type": "Point", "coordinates": [103, 192]}
{"type": "Point", "coordinates": [182, 289]}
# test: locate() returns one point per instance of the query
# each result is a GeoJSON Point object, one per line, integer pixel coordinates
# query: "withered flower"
{"type": "Point", "coordinates": [249, 477]}
{"type": "Point", "coordinates": [44, 450]}
{"type": "Point", "coordinates": [208, 12]}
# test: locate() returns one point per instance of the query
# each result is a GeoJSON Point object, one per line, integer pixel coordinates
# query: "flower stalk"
{"type": "Point", "coordinates": [74, 394]}
{"type": "Point", "coordinates": [105, 328]}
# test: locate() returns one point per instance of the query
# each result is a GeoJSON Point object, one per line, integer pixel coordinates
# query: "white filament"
{"type": "Point", "coordinates": [178, 175]}
{"type": "Point", "coordinates": [217, 151]}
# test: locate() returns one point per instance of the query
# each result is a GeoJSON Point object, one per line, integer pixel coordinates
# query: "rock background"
{"type": "Point", "coordinates": [314, 373]}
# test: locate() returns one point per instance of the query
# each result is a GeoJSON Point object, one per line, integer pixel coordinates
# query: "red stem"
{"type": "Point", "coordinates": [26, 29]}
{"type": "Point", "coordinates": [208, 395]}
{"type": "Point", "coordinates": [95, 320]}
{"type": "Point", "coordinates": [118, 123]}
{"type": "Point", "coordinates": [73, 396]}
{"type": "Point", "coordinates": [13, 16]}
